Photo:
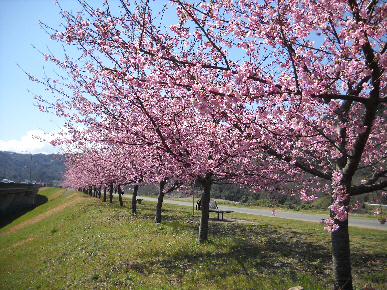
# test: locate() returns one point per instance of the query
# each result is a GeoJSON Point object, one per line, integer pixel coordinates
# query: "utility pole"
{"type": "Point", "coordinates": [30, 166]}
{"type": "Point", "coordinates": [30, 162]}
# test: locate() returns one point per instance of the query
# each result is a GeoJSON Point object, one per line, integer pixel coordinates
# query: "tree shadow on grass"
{"type": "Point", "coordinates": [250, 251]}
{"type": "Point", "coordinates": [9, 218]}
{"type": "Point", "coordinates": [254, 251]}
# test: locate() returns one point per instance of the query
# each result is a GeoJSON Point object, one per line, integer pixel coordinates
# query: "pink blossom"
{"type": "Point", "coordinates": [378, 211]}
{"type": "Point", "coordinates": [305, 197]}
{"type": "Point", "coordinates": [336, 177]}
{"type": "Point", "coordinates": [198, 34]}
{"type": "Point", "coordinates": [356, 206]}
{"type": "Point", "coordinates": [330, 225]}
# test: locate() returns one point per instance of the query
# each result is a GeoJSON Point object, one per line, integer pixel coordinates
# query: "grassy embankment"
{"type": "Point", "coordinates": [74, 241]}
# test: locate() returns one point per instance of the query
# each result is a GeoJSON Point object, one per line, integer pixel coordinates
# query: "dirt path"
{"type": "Point", "coordinates": [17, 244]}
{"type": "Point", "coordinates": [40, 217]}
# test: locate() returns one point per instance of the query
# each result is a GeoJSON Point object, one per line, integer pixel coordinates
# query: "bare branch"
{"type": "Point", "coordinates": [352, 98]}
{"type": "Point", "coordinates": [207, 36]}
{"type": "Point", "coordinates": [363, 188]}
{"type": "Point", "coordinates": [298, 164]}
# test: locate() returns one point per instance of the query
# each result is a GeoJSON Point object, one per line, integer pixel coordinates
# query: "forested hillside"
{"type": "Point", "coordinates": [44, 168]}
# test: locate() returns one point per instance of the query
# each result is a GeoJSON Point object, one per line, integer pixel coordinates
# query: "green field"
{"type": "Point", "coordinates": [74, 241]}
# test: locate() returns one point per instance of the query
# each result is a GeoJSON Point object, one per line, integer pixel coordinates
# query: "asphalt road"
{"type": "Point", "coordinates": [353, 222]}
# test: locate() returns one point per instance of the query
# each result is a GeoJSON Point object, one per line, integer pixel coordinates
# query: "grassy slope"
{"type": "Point", "coordinates": [77, 242]}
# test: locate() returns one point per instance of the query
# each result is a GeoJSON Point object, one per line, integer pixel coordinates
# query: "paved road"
{"type": "Point", "coordinates": [68, 191]}
{"type": "Point", "coordinates": [354, 222]}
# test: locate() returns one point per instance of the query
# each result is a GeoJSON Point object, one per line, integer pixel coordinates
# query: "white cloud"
{"type": "Point", "coordinates": [30, 143]}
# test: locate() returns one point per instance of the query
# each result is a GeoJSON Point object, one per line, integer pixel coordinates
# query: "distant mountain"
{"type": "Point", "coordinates": [44, 168]}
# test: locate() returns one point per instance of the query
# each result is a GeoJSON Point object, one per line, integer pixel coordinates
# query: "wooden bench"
{"type": "Point", "coordinates": [213, 208]}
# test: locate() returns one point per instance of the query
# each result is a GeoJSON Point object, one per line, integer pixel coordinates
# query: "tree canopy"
{"type": "Point", "coordinates": [265, 93]}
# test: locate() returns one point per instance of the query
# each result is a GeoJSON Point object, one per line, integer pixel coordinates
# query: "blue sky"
{"type": "Point", "coordinates": [20, 119]}
{"type": "Point", "coordinates": [19, 29]}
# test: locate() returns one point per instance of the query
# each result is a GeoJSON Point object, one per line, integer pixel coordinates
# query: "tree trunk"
{"type": "Point", "coordinates": [111, 192]}
{"type": "Point", "coordinates": [341, 254]}
{"type": "Point", "coordinates": [206, 184]}
{"type": "Point", "coordinates": [160, 201]}
{"type": "Point", "coordinates": [341, 257]}
{"type": "Point", "coordinates": [134, 200]}
{"type": "Point", "coordinates": [90, 191]}
{"type": "Point", "coordinates": [120, 195]}
{"type": "Point", "coordinates": [340, 238]}
{"type": "Point", "coordinates": [104, 194]}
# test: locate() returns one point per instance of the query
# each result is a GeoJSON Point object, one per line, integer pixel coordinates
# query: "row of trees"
{"type": "Point", "coordinates": [285, 96]}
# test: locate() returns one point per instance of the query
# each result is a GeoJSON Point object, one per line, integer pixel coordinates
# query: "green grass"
{"type": "Point", "coordinates": [95, 245]}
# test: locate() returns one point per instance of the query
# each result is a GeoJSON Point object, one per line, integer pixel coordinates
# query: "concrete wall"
{"type": "Point", "coordinates": [16, 196]}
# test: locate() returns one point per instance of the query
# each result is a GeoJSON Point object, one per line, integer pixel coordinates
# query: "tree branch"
{"type": "Point", "coordinates": [352, 98]}
{"type": "Point", "coordinates": [297, 164]}
{"type": "Point", "coordinates": [375, 177]}
{"type": "Point", "coordinates": [364, 188]}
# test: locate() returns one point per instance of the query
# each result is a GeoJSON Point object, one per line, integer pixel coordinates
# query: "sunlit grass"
{"type": "Point", "coordinates": [95, 245]}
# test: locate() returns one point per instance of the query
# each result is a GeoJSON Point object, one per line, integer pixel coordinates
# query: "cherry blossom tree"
{"type": "Point", "coordinates": [297, 89]}
{"type": "Point", "coordinates": [104, 166]}
{"type": "Point", "coordinates": [308, 94]}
